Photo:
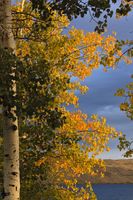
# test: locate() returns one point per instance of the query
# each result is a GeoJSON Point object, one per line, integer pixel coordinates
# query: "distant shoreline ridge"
{"type": "Point", "coordinates": [117, 172]}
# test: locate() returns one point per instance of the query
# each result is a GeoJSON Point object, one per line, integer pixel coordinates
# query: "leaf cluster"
{"type": "Point", "coordinates": [125, 144]}
{"type": "Point", "coordinates": [127, 107]}
{"type": "Point", "coordinates": [74, 8]}
{"type": "Point", "coordinates": [127, 94]}
{"type": "Point", "coordinates": [9, 62]}
{"type": "Point", "coordinates": [124, 8]}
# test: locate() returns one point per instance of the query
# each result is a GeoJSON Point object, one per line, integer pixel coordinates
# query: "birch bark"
{"type": "Point", "coordinates": [10, 127]}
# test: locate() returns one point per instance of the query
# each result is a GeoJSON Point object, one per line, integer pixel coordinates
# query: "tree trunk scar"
{"type": "Point", "coordinates": [11, 185]}
{"type": "Point", "coordinates": [14, 173]}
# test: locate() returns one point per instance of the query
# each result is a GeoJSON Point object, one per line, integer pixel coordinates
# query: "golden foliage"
{"type": "Point", "coordinates": [73, 55]}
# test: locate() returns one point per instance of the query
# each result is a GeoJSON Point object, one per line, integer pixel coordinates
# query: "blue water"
{"type": "Point", "coordinates": [114, 191]}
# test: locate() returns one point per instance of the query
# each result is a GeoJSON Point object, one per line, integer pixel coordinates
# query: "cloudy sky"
{"type": "Point", "coordinates": [100, 99]}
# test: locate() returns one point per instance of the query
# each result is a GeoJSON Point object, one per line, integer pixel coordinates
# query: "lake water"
{"type": "Point", "coordinates": [113, 191]}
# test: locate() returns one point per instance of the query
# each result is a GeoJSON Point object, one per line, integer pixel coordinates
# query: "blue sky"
{"type": "Point", "coordinates": [100, 98]}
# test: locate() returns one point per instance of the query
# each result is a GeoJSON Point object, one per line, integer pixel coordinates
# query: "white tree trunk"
{"type": "Point", "coordinates": [10, 128]}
